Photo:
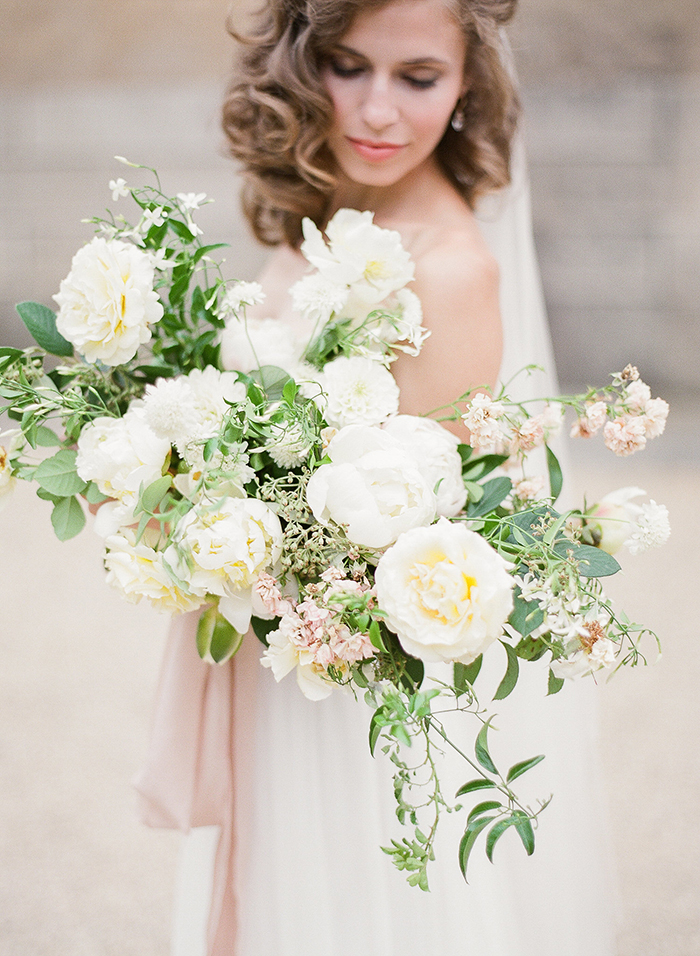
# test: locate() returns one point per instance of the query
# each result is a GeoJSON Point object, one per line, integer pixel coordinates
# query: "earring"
{"type": "Point", "coordinates": [457, 121]}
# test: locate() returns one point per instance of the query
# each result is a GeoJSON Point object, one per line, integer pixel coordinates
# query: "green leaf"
{"type": "Point", "coordinates": [481, 808]}
{"type": "Point", "coordinates": [525, 831]}
{"type": "Point", "coordinates": [41, 322]}
{"type": "Point", "coordinates": [217, 639]}
{"type": "Point", "coordinates": [58, 474]}
{"type": "Point", "coordinates": [518, 769]}
{"type": "Point", "coordinates": [592, 562]}
{"type": "Point", "coordinates": [289, 392]}
{"type": "Point", "coordinates": [180, 229]}
{"type": "Point", "coordinates": [480, 467]}
{"type": "Point", "coordinates": [478, 784]}
{"type": "Point", "coordinates": [47, 496]}
{"type": "Point", "coordinates": [496, 832]}
{"type": "Point", "coordinates": [272, 379]}
{"type": "Point", "coordinates": [375, 636]}
{"type": "Point", "coordinates": [495, 491]}
{"type": "Point", "coordinates": [375, 729]}
{"type": "Point", "coordinates": [467, 842]}
{"type": "Point", "coordinates": [510, 678]}
{"type": "Point", "coordinates": [481, 749]}
{"type": "Point", "coordinates": [45, 437]}
{"type": "Point", "coordinates": [556, 478]}
{"type": "Point", "coordinates": [414, 673]}
{"type": "Point", "coordinates": [464, 675]}
{"type": "Point", "coordinates": [554, 684]}
{"type": "Point", "coordinates": [93, 495]}
{"type": "Point", "coordinates": [526, 615]}
{"type": "Point", "coordinates": [67, 518]}
{"type": "Point", "coordinates": [152, 496]}
{"type": "Point", "coordinates": [262, 628]}
{"type": "Point", "coordinates": [205, 250]}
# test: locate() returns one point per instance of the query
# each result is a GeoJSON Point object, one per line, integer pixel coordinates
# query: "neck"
{"type": "Point", "coordinates": [401, 200]}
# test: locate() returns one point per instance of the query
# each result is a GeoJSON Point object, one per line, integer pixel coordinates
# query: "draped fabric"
{"type": "Point", "coordinates": [302, 809]}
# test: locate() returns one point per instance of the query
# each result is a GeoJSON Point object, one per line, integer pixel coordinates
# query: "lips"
{"type": "Point", "coordinates": [373, 151]}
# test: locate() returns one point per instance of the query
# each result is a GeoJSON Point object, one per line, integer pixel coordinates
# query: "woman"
{"type": "Point", "coordinates": [404, 108]}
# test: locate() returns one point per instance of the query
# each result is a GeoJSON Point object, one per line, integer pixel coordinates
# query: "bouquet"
{"type": "Point", "coordinates": [262, 474]}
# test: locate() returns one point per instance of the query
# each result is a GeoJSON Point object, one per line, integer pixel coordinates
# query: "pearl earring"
{"type": "Point", "coordinates": [457, 121]}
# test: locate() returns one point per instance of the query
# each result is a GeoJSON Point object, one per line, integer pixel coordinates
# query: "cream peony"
{"type": "Point", "coordinates": [358, 391]}
{"type": "Point", "coordinates": [445, 591]}
{"type": "Point", "coordinates": [372, 488]}
{"type": "Point", "coordinates": [434, 451]}
{"type": "Point", "coordinates": [138, 571]}
{"type": "Point", "coordinates": [225, 548]}
{"type": "Point", "coordinates": [107, 301]}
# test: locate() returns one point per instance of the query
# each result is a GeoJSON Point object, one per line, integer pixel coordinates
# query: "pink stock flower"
{"type": "Point", "coordinates": [625, 435]}
{"type": "Point", "coordinates": [654, 417]}
{"type": "Point", "coordinates": [481, 418]}
{"type": "Point", "coordinates": [530, 434]}
{"type": "Point", "coordinates": [590, 423]}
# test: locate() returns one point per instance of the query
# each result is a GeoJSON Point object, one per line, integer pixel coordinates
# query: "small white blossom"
{"type": "Point", "coordinates": [242, 293]}
{"type": "Point", "coordinates": [189, 202]}
{"type": "Point", "coordinates": [152, 217]}
{"type": "Point", "coordinates": [119, 188]}
{"type": "Point", "coordinates": [651, 530]}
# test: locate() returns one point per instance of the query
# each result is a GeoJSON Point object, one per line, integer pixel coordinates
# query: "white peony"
{"type": "Point", "coordinates": [434, 451]}
{"type": "Point", "coordinates": [120, 455]}
{"type": "Point", "coordinates": [372, 488]}
{"type": "Point", "coordinates": [257, 342]}
{"type": "Point", "coordinates": [137, 571]}
{"type": "Point", "coordinates": [107, 301]}
{"type": "Point", "coordinates": [225, 548]}
{"type": "Point", "coordinates": [445, 591]}
{"type": "Point", "coordinates": [359, 254]}
{"type": "Point", "coordinates": [358, 391]}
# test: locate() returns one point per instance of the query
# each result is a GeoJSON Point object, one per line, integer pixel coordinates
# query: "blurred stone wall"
{"type": "Point", "coordinates": [612, 96]}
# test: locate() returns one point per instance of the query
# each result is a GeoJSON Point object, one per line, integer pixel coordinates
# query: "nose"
{"type": "Point", "coordinates": [379, 109]}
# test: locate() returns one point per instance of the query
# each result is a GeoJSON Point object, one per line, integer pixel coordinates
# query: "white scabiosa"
{"type": "Point", "coordinates": [445, 591]}
{"type": "Point", "coordinates": [107, 301]}
{"type": "Point", "coordinates": [359, 391]}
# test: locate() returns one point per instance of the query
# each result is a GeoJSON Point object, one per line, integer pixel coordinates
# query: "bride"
{"type": "Point", "coordinates": [405, 108]}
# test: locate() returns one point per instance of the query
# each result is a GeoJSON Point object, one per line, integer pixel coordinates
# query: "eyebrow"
{"type": "Point", "coordinates": [418, 61]}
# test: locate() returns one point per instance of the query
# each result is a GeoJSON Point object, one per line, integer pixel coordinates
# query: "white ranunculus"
{"type": "Point", "coordinates": [226, 547]}
{"type": "Point", "coordinates": [434, 451]}
{"type": "Point", "coordinates": [358, 391]}
{"type": "Point", "coordinates": [445, 591]}
{"type": "Point", "coordinates": [138, 571]}
{"type": "Point", "coordinates": [107, 301]}
{"type": "Point", "coordinates": [360, 254]}
{"type": "Point", "coordinates": [120, 455]}
{"type": "Point", "coordinates": [246, 346]}
{"type": "Point", "coordinates": [372, 488]}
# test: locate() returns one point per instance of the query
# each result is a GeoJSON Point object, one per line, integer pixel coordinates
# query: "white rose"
{"type": "Point", "coordinates": [359, 391]}
{"type": "Point", "coordinates": [11, 441]}
{"type": "Point", "coordinates": [434, 451]}
{"type": "Point", "coordinates": [226, 547]}
{"type": "Point", "coordinates": [372, 488]}
{"type": "Point", "coordinates": [138, 571]}
{"type": "Point", "coordinates": [107, 301]}
{"type": "Point", "coordinates": [446, 592]}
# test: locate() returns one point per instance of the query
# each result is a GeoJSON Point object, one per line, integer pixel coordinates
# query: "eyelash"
{"type": "Point", "coordinates": [348, 72]}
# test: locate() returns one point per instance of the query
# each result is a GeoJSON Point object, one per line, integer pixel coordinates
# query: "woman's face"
{"type": "Point", "coordinates": [394, 78]}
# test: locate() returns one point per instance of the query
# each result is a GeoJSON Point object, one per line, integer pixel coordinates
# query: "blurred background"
{"type": "Point", "coordinates": [612, 100]}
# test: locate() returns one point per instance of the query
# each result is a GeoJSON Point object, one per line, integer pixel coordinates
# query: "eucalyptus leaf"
{"type": "Point", "coordinates": [481, 749]}
{"type": "Point", "coordinates": [592, 562]}
{"type": "Point", "coordinates": [272, 379]}
{"type": "Point", "coordinates": [495, 491]}
{"type": "Point", "coordinates": [510, 679]}
{"type": "Point", "coordinates": [41, 323]}
{"type": "Point", "coordinates": [58, 474]}
{"type": "Point", "coordinates": [67, 518]}
{"type": "Point", "coordinates": [526, 615]}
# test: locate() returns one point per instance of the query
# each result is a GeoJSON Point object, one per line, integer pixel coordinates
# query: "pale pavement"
{"type": "Point", "coordinates": [81, 877]}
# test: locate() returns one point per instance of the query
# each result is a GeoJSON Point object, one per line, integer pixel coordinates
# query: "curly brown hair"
{"type": "Point", "coordinates": [277, 112]}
